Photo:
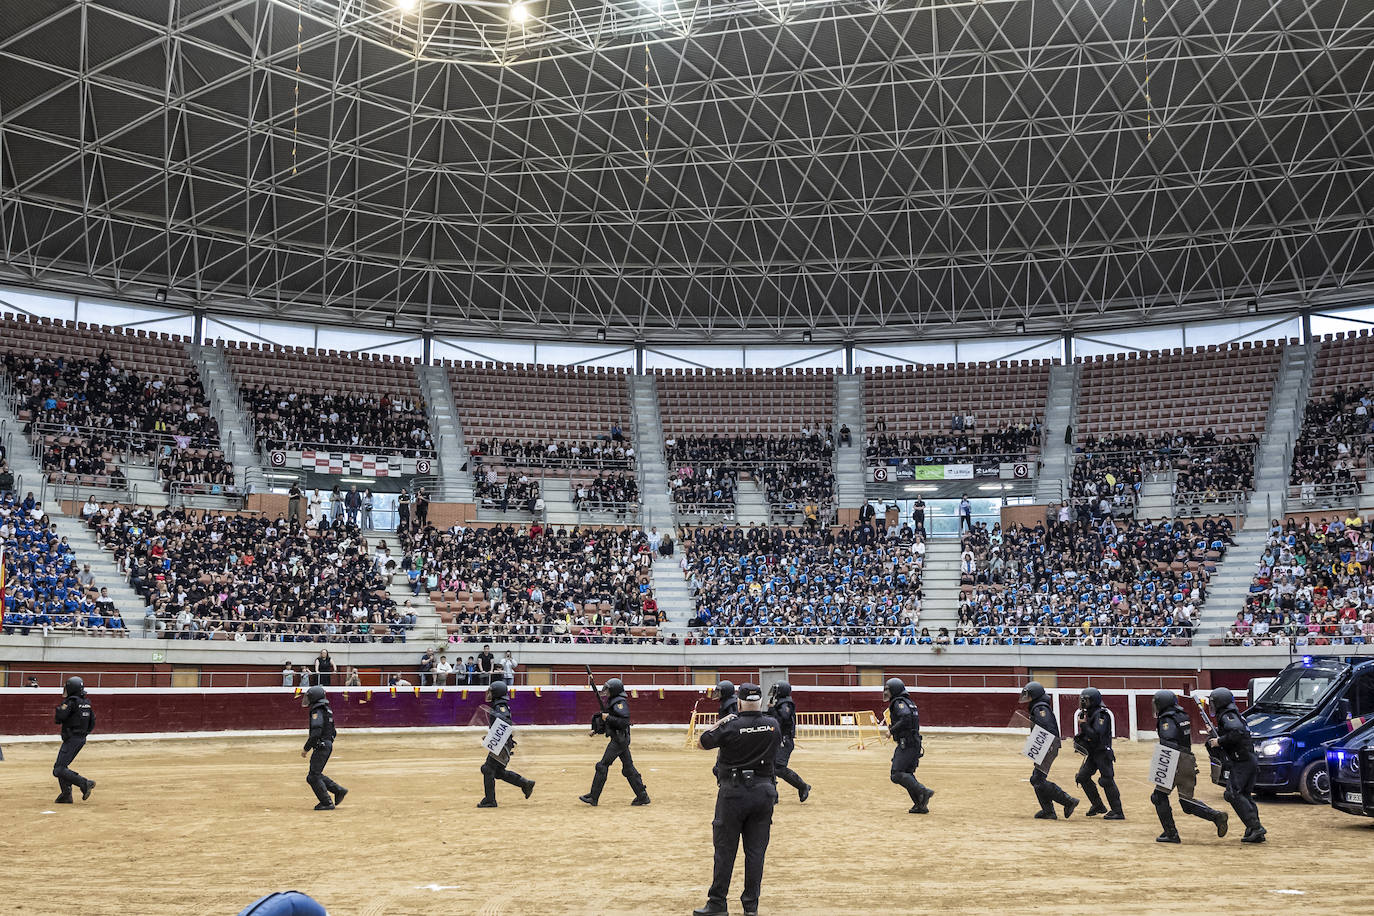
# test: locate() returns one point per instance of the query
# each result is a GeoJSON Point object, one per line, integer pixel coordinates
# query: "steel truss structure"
{"type": "Point", "coordinates": [693, 170]}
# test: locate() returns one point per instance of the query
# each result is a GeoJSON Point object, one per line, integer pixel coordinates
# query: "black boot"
{"type": "Point", "coordinates": [588, 799]}
{"type": "Point", "coordinates": [528, 788]}
{"type": "Point", "coordinates": [640, 801]}
{"type": "Point", "coordinates": [1168, 836]}
{"type": "Point", "coordinates": [1254, 835]}
{"type": "Point", "coordinates": [487, 803]}
{"type": "Point", "coordinates": [1220, 819]}
{"type": "Point", "coordinates": [86, 789]}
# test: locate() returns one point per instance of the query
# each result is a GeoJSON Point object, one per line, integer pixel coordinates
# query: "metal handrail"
{"type": "Point", "coordinates": [989, 458]}
{"type": "Point", "coordinates": [1325, 495]}
{"type": "Point", "coordinates": [410, 451]}
{"type": "Point", "coordinates": [157, 440]}
{"type": "Point", "coordinates": [586, 462]}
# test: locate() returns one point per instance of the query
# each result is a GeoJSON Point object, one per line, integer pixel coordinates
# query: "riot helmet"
{"type": "Point", "coordinates": [613, 687]}
{"type": "Point", "coordinates": [893, 688]}
{"type": "Point", "coordinates": [1090, 698]}
{"type": "Point", "coordinates": [1164, 699]}
{"type": "Point", "coordinates": [75, 687]}
{"type": "Point", "coordinates": [1033, 692]}
{"type": "Point", "coordinates": [1222, 699]}
{"type": "Point", "coordinates": [496, 691]}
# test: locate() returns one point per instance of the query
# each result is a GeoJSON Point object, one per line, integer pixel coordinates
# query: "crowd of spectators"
{"type": "Point", "coordinates": [1106, 582]}
{"type": "Point", "coordinates": [607, 492]}
{"type": "Point", "coordinates": [1334, 445]}
{"type": "Point", "coordinates": [538, 584]}
{"type": "Point", "coordinates": [611, 451]}
{"type": "Point", "coordinates": [206, 473]}
{"type": "Point", "coordinates": [516, 491]}
{"type": "Point", "coordinates": [858, 585]}
{"type": "Point", "coordinates": [795, 472]}
{"type": "Point", "coordinates": [211, 575]}
{"type": "Point", "coordinates": [1109, 471]}
{"type": "Point", "coordinates": [93, 414]}
{"type": "Point", "coordinates": [1313, 586]}
{"type": "Point", "coordinates": [1010, 442]}
{"type": "Point", "coordinates": [293, 420]}
{"type": "Point", "coordinates": [45, 593]}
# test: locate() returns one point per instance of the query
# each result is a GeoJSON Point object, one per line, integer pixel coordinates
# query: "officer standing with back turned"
{"type": "Point", "coordinates": [748, 744]}
{"type": "Point", "coordinates": [614, 723]}
{"type": "Point", "coordinates": [1175, 731]}
{"type": "Point", "coordinates": [1094, 740]}
{"type": "Point", "coordinates": [318, 747]}
{"type": "Point", "coordinates": [1237, 747]}
{"type": "Point", "coordinates": [77, 719]}
{"type": "Point", "coordinates": [782, 708]}
{"type": "Point", "coordinates": [904, 725]}
{"type": "Point", "coordinates": [1046, 792]}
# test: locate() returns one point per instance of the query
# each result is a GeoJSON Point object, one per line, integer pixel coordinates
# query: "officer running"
{"type": "Point", "coordinates": [1046, 792]}
{"type": "Point", "coordinates": [748, 745]}
{"type": "Point", "coordinates": [904, 725]}
{"type": "Point", "coordinates": [1237, 748]}
{"type": "Point", "coordinates": [493, 768]}
{"type": "Point", "coordinates": [1175, 731]}
{"type": "Point", "coordinates": [782, 708]}
{"type": "Point", "coordinates": [1094, 740]}
{"type": "Point", "coordinates": [615, 725]}
{"type": "Point", "coordinates": [318, 747]}
{"type": "Point", "coordinates": [77, 719]}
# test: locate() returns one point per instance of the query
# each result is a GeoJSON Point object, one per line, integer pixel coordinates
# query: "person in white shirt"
{"type": "Point", "coordinates": [508, 668]}
{"type": "Point", "coordinates": [442, 670]}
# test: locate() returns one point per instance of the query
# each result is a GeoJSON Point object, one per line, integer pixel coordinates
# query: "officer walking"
{"type": "Point", "coordinates": [782, 708]}
{"type": "Point", "coordinates": [1237, 747]}
{"type": "Point", "coordinates": [494, 768]}
{"type": "Point", "coordinates": [1046, 792]}
{"type": "Point", "coordinates": [1175, 731]}
{"type": "Point", "coordinates": [904, 725]}
{"type": "Point", "coordinates": [748, 744]}
{"type": "Point", "coordinates": [77, 719]}
{"type": "Point", "coordinates": [1094, 740]}
{"type": "Point", "coordinates": [318, 747]}
{"type": "Point", "coordinates": [615, 725]}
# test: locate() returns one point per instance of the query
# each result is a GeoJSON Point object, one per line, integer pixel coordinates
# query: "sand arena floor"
{"type": "Point", "coordinates": [206, 826]}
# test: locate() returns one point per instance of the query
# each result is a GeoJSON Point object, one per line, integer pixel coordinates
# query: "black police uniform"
{"type": "Point", "coordinates": [1094, 739]}
{"type": "Point", "coordinates": [77, 719]}
{"type": "Point", "coordinates": [1175, 730]}
{"type": "Point", "coordinates": [729, 706]}
{"type": "Point", "coordinates": [1046, 792]}
{"type": "Point", "coordinates": [785, 711]}
{"type": "Point", "coordinates": [748, 743]}
{"type": "Point", "coordinates": [492, 768]}
{"type": "Point", "coordinates": [321, 743]}
{"type": "Point", "coordinates": [615, 725]}
{"type": "Point", "coordinates": [905, 728]}
{"type": "Point", "coordinates": [1242, 766]}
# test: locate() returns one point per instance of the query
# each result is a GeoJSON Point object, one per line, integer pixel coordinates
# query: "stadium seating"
{"type": "Point", "coordinates": [301, 397]}
{"type": "Point", "coordinates": [1331, 456]}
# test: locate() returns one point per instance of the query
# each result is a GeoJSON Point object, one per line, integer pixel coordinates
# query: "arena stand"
{"type": "Point", "coordinates": [755, 445]}
{"type": "Point", "coordinates": [1331, 455]}
{"type": "Point", "coordinates": [304, 398]}
{"type": "Point", "coordinates": [559, 428]}
{"type": "Point", "coordinates": [955, 413]}
{"type": "Point", "coordinates": [112, 409]}
{"type": "Point", "coordinates": [1188, 419]}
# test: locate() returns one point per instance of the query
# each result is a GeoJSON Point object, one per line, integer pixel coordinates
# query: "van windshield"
{"type": "Point", "coordinates": [1301, 688]}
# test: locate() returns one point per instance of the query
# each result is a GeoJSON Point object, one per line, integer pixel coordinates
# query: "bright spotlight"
{"type": "Point", "coordinates": [519, 12]}
{"type": "Point", "coordinates": [406, 5]}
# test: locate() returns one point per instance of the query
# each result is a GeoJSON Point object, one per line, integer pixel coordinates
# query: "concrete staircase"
{"type": "Point", "coordinates": [236, 437]}
{"type": "Point", "coordinates": [674, 595]}
{"type": "Point", "coordinates": [751, 504]}
{"type": "Point", "coordinates": [29, 477]}
{"type": "Point", "coordinates": [850, 473]}
{"type": "Point", "coordinates": [940, 585]}
{"type": "Point", "coordinates": [1286, 407]}
{"type": "Point", "coordinates": [454, 484]}
{"type": "Point", "coordinates": [1052, 484]}
{"type": "Point", "coordinates": [558, 504]}
{"type": "Point", "coordinates": [1156, 497]}
{"type": "Point", "coordinates": [429, 629]}
{"type": "Point", "coordinates": [657, 505]}
{"type": "Point", "coordinates": [1231, 583]}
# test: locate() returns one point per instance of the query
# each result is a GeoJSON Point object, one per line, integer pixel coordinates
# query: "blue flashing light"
{"type": "Point", "coordinates": [1307, 661]}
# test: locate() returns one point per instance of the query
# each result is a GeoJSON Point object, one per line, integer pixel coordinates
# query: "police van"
{"type": "Point", "coordinates": [1293, 719]}
{"type": "Point", "coordinates": [1350, 764]}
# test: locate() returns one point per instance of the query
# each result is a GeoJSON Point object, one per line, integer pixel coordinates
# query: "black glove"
{"type": "Point", "coordinates": [599, 724]}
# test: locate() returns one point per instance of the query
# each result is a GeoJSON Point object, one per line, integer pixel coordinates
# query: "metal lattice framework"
{"type": "Point", "coordinates": [693, 170]}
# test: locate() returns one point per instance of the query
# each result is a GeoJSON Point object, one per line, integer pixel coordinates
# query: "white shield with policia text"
{"type": "Point", "coordinates": [1041, 747]}
{"type": "Point", "coordinates": [498, 740]}
{"type": "Point", "coordinates": [1164, 766]}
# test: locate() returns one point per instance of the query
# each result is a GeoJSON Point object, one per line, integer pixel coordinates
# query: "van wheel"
{"type": "Point", "coordinates": [1315, 786]}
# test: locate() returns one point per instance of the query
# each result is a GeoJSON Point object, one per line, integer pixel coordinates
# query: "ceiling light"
{"type": "Point", "coordinates": [1020, 327]}
{"type": "Point", "coordinates": [160, 295]}
{"type": "Point", "coordinates": [406, 5]}
{"type": "Point", "coordinates": [991, 487]}
{"type": "Point", "coordinates": [519, 12]}
{"type": "Point", "coordinates": [1252, 306]}
{"type": "Point", "coordinates": [806, 336]}
{"type": "Point", "coordinates": [389, 321]}
{"type": "Point", "coordinates": [600, 333]}
{"type": "Point", "coordinates": [921, 488]}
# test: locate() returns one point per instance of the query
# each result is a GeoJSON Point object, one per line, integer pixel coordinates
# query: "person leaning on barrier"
{"type": "Point", "coordinates": [1175, 731]}
{"type": "Point", "coordinates": [1094, 741]}
{"type": "Point", "coordinates": [1237, 747]}
{"type": "Point", "coordinates": [747, 744]}
{"type": "Point", "coordinates": [905, 730]}
{"type": "Point", "coordinates": [77, 719]}
{"type": "Point", "coordinates": [319, 745]}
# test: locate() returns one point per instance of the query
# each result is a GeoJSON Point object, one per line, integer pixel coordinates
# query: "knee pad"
{"type": "Point", "coordinates": [896, 776]}
{"type": "Point", "coordinates": [56, 771]}
{"type": "Point", "coordinates": [1227, 796]}
{"type": "Point", "coordinates": [629, 771]}
{"type": "Point", "coordinates": [1083, 779]}
{"type": "Point", "coordinates": [1158, 798]}
{"type": "Point", "coordinates": [602, 769]}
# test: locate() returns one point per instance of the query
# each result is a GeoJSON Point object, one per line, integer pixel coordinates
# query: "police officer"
{"type": "Point", "coordinates": [1094, 739]}
{"type": "Point", "coordinates": [77, 719]}
{"type": "Point", "coordinates": [614, 723]}
{"type": "Point", "coordinates": [493, 768]}
{"type": "Point", "coordinates": [782, 708]}
{"type": "Point", "coordinates": [1175, 730]}
{"type": "Point", "coordinates": [318, 746]}
{"type": "Point", "coordinates": [729, 703]}
{"type": "Point", "coordinates": [905, 728]}
{"type": "Point", "coordinates": [1046, 792]}
{"type": "Point", "coordinates": [748, 745]}
{"type": "Point", "coordinates": [1237, 748]}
